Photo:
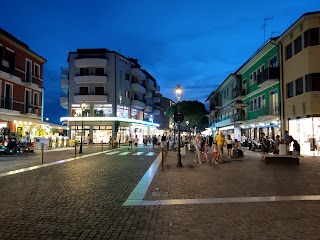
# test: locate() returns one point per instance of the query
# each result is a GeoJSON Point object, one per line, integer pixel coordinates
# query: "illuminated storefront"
{"type": "Point", "coordinates": [307, 132]}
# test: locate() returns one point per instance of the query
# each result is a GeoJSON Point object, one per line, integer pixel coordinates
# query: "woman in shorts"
{"type": "Point", "coordinates": [229, 146]}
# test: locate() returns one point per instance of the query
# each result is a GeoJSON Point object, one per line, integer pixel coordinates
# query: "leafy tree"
{"type": "Point", "coordinates": [193, 111]}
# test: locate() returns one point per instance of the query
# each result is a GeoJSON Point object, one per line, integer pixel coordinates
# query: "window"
{"type": "Point", "coordinates": [127, 76]}
{"type": "Point", "coordinates": [27, 101]}
{"type": "Point", "coordinates": [1, 53]}
{"type": "Point", "coordinates": [313, 82]}
{"type": "Point", "coordinates": [299, 86]}
{"type": "Point", "coordinates": [37, 70]}
{"type": "Point", "coordinates": [255, 104]}
{"type": "Point", "coordinates": [254, 77]}
{"type": "Point", "coordinates": [8, 96]}
{"type": "Point", "coordinates": [311, 37]}
{"type": "Point", "coordinates": [83, 91]}
{"type": "Point", "coordinates": [28, 72]}
{"type": "Point", "coordinates": [244, 81]}
{"type": "Point", "coordinates": [99, 91]}
{"type": "Point", "coordinates": [290, 90]}
{"type": "Point", "coordinates": [297, 45]}
{"type": "Point", "coordinates": [36, 99]}
{"type": "Point", "coordinates": [289, 51]}
{"type": "Point", "coordinates": [10, 57]}
{"type": "Point", "coordinates": [84, 71]}
{"type": "Point", "coordinates": [259, 102]}
{"type": "Point", "coordinates": [99, 71]}
{"type": "Point", "coordinates": [273, 62]}
{"type": "Point", "coordinates": [127, 94]}
{"type": "Point", "coordinates": [262, 68]}
{"type": "Point", "coordinates": [263, 101]}
{"type": "Point", "coordinates": [251, 106]}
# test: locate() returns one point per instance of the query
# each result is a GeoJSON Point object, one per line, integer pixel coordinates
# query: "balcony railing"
{"type": "Point", "coordinates": [271, 73]}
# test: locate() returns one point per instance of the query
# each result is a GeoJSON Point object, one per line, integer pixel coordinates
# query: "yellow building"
{"type": "Point", "coordinates": [300, 82]}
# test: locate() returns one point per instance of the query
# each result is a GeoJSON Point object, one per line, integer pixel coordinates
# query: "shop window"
{"type": "Point", "coordinates": [313, 82]}
{"type": "Point", "coordinates": [290, 90]}
{"type": "Point", "coordinates": [297, 45]}
{"type": "Point", "coordinates": [289, 51]}
{"type": "Point", "coordinates": [311, 37]}
{"type": "Point", "coordinates": [299, 86]}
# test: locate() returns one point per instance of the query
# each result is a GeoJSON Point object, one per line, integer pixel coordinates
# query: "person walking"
{"type": "Point", "coordinates": [264, 148]}
{"type": "Point", "coordinates": [136, 141]}
{"type": "Point", "coordinates": [205, 151]}
{"type": "Point", "coordinates": [229, 145]}
{"type": "Point", "coordinates": [130, 142]}
{"type": "Point", "coordinates": [154, 141]}
{"type": "Point", "coordinates": [215, 152]}
{"type": "Point", "coordinates": [220, 142]}
{"type": "Point", "coordinates": [197, 144]}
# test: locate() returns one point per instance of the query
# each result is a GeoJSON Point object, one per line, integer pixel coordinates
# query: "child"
{"type": "Point", "coordinates": [215, 152]}
{"type": "Point", "coordinates": [205, 152]}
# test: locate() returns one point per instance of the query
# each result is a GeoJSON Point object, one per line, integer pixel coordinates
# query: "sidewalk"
{"type": "Point", "coordinates": [24, 160]}
{"type": "Point", "coordinates": [241, 177]}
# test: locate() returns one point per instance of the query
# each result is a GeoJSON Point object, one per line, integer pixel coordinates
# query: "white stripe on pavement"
{"type": "Point", "coordinates": [112, 153]}
{"type": "Point", "coordinates": [124, 153]}
{"type": "Point", "coordinates": [150, 154]}
{"type": "Point", "coordinates": [138, 153]}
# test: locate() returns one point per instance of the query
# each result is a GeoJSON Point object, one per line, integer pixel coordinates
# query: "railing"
{"type": "Point", "coordinates": [271, 73]}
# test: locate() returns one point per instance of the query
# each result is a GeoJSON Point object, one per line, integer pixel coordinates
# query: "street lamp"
{"type": "Point", "coordinates": [83, 107]}
{"type": "Point", "coordinates": [179, 119]}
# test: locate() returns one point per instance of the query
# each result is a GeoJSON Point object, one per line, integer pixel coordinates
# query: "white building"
{"type": "Point", "coordinates": [110, 95]}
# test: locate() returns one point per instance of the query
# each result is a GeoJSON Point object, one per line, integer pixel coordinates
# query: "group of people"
{"type": "Point", "coordinates": [287, 140]}
{"type": "Point", "coordinates": [203, 146]}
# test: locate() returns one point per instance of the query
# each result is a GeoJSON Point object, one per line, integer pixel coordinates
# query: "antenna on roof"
{"type": "Point", "coordinates": [264, 27]}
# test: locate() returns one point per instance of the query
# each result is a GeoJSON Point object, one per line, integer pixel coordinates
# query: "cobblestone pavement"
{"type": "Point", "coordinates": [82, 199]}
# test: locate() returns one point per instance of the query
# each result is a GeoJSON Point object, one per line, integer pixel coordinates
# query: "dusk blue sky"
{"type": "Point", "coordinates": [192, 43]}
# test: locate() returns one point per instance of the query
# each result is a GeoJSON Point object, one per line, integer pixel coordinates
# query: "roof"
{"type": "Point", "coordinates": [20, 43]}
{"type": "Point", "coordinates": [293, 24]}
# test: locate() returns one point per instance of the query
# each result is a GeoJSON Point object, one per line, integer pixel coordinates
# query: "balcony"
{"type": "Point", "coordinates": [268, 76]}
{"type": "Point", "coordinates": [137, 73]}
{"type": "Point", "coordinates": [90, 98]}
{"type": "Point", "coordinates": [156, 112]}
{"type": "Point", "coordinates": [138, 88]}
{"type": "Point", "coordinates": [64, 83]}
{"type": "Point", "coordinates": [148, 94]}
{"type": "Point", "coordinates": [90, 79]}
{"type": "Point", "coordinates": [91, 62]}
{"type": "Point", "coordinates": [148, 109]}
{"type": "Point", "coordinates": [138, 104]}
{"type": "Point", "coordinates": [157, 87]}
{"type": "Point", "coordinates": [151, 84]}
{"type": "Point", "coordinates": [156, 99]}
{"type": "Point", "coordinates": [64, 102]}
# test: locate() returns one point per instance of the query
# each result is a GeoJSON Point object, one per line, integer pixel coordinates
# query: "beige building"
{"type": "Point", "coordinates": [300, 81]}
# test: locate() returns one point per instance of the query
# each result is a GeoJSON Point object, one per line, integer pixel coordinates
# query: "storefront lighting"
{"type": "Point", "coordinates": [30, 123]}
{"type": "Point", "coordinates": [252, 126]}
{"type": "Point", "coordinates": [261, 124]}
{"type": "Point", "coordinates": [25, 123]}
{"type": "Point", "coordinates": [15, 121]}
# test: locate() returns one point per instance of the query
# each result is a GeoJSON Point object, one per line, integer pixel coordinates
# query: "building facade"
{"type": "Point", "coordinates": [108, 95]}
{"type": "Point", "coordinates": [279, 89]}
{"type": "Point", "coordinates": [21, 87]}
{"type": "Point", "coordinates": [300, 77]}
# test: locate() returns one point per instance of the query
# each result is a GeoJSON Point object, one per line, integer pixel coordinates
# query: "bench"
{"type": "Point", "coordinates": [286, 159]}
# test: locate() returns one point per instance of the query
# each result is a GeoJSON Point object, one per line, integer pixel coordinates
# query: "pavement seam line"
{"type": "Point", "coordinates": [50, 164]}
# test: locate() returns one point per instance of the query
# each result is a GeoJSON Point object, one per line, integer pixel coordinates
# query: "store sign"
{"type": "Point", "coordinates": [5, 63]}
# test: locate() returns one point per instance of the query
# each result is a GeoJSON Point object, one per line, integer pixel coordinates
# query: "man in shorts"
{"type": "Point", "coordinates": [130, 142]}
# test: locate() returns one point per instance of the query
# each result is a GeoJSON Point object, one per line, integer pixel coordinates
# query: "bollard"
{"type": "Point", "coordinates": [162, 155]}
{"type": "Point", "coordinates": [101, 146]}
{"type": "Point", "coordinates": [42, 148]}
{"type": "Point", "coordinates": [75, 150]}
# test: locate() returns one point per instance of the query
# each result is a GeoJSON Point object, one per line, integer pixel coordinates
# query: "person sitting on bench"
{"type": "Point", "coordinates": [296, 148]}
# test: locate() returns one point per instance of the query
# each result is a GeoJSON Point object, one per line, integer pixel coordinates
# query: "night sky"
{"type": "Point", "coordinates": [196, 44]}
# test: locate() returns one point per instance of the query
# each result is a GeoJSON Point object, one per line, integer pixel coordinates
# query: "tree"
{"type": "Point", "coordinates": [193, 111]}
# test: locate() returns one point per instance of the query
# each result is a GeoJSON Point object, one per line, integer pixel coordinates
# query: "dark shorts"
{"type": "Point", "coordinates": [130, 142]}
{"type": "Point", "coordinates": [229, 146]}
{"type": "Point", "coordinates": [136, 144]}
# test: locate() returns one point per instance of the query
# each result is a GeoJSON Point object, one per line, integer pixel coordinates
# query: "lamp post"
{"type": "Point", "coordinates": [83, 107]}
{"type": "Point", "coordinates": [179, 120]}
